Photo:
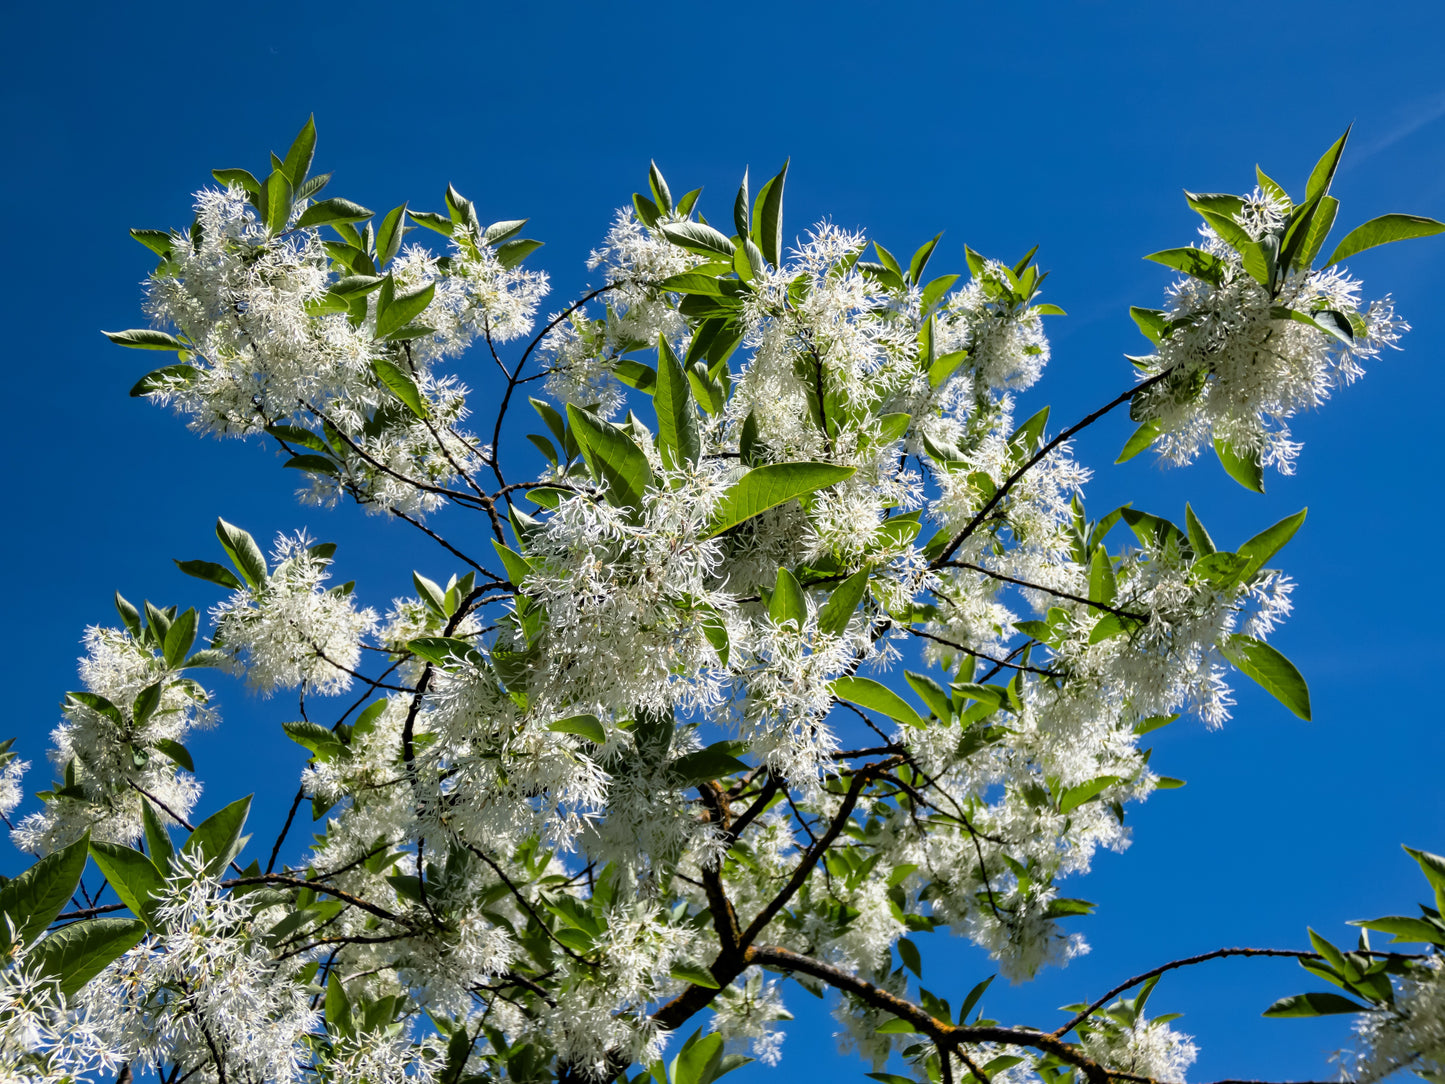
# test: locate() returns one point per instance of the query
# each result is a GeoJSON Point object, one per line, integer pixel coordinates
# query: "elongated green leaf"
{"type": "Point", "coordinates": [1270, 541]}
{"type": "Point", "coordinates": [771, 485]}
{"type": "Point", "coordinates": [217, 835]}
{"type": "Point", "coordinates": [34, 897]}
{"type": "Point", "coordinates": [277, 198]}
{"type": "Point", "coordinates": [209, 570]}
{"type": "Point", "coordinates": [584, 726]}
{"type": "Point", "coordinates": [401, 309]}
{"type": "Point", "coordinates": [158, 840]}
{"type": "Point", "coordinates": [787, 602]}
{"type": "Point", "coordinates": [1381, 231]}
{"type": "Point", "coordinates": [612, 457]}
{"type": "Point", "coordinates": [1318, 1004]}
{"type": "Point", "coordinates": [134, 877]}
{"type": "Point", "coordinates": [1076, 796]}
{"type": "Point", "coordinates": [179, 638]}
{"type": "Point", "coordinates": [303, 149]}
{"type": "Point", "coordinates": [399, 382]}
{"type": "Point", "coordinates": [867, 693]}
{"type": "Point", "coordinates": [1142, 440]}
{"type": "Point", "coordinates": [1323, 175]}
{"type": "Point", "coordinates": [175, 752]}
{"type": "Point", "coordinates": [1247, 470]}
{"type": "Point", "coordinates": [1194, 262]}
{"type": "Point", "coordinates": [1403, 928]}
{"type": "Point", "coordinates": [332, 210]}
{"type": "Point", "coordinates": [677, 435]}
{"type": "Point", "coordinates": [239, 178]}
{"type": "Point", "coordinates": [716, 760]}
{"type": "Point", "coordinates": [741, 206]}
{"type": "Point", "coordinates": [1274, 673]}
{"type": "Point", "coordinates": [834, 614]}
{"type": "Point", "coordinates": [241, 548]}
{"type": "Point", "coordinates": [166, 378]}
{"type": "Point", "coordinates": [931, 693]}
{"type": "Point", "coordinates": [699, 238]}
{"type": "Point", "coordinates": [695, 974]}
{"type": "Point", "coordinates": [79, 952]}
{"type": "Point", "coordinates": [767, 227]}
{"type": "Point", "coordinates": [144, 338]}
{"type": "Point", "coordinates": [511, 253]}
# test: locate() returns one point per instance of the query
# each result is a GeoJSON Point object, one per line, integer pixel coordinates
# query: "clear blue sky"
{"type": "Point", "coordinates": [1070, 124]}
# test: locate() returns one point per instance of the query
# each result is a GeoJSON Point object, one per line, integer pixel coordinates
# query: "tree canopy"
{"type": "Point", "coordinates": [782, 643]}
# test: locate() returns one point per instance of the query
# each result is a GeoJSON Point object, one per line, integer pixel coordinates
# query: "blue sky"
{"type": "Point", "coordinates": [1073, 125]}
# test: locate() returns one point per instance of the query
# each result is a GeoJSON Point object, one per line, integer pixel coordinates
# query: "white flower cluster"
{"type": "Point", "coordinates": [291, 630]}
{"type": "Point", "coordinates": [206, 986]}
{"type": "Point", "coordinates": [1408, 1035]}
{"type": "Point", "coordinates": [1239, 361]}
{"type": "Point", "coordinates": [106, 753]}
{"type": "Point", "coordinates": [1147, 1047]}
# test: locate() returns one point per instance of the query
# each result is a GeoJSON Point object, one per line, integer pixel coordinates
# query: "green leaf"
{"type": "Point", "coordinates": [931, 693]}
{"type": "Point", "coordinates": [303, 149]}
{"type": "Point", "coordinates": [144, 338]}
{"type": "Point", "coordinates": [787, 603]}
{"type": "Point", "coordinates": [175, 752]}
{"type": "Point", "coordinates": [240, 178]}
{"type": "Point", "coordinates": [212, 572]}
{"type": "Point", "coordinates": [78, 953]}
{"type": "Point", "coordinates": [698, 237]}
{"type": "Point", "coordinates": [217, 836]}
{"type": "Point", "coordinates": [1324, 172]}
{"type": "Point", "coordinates": [660, 192]}
{"type": "Point", "coordinates": [895, 1027]}
{"type": "Point", "coordinates": [944, 366]}
{"type": "Point", "coordinates": [179, 638]}
{"type": "Point", "coordinates": [518, 567]}
{"type": "Point", "coordinates": [767, 226]}
{"type": "Point", "coordinates": [769, 486]}
{"type": "Point", "coordinates": [34, 897]}
{"type": "Point", "coordinates": [134, 877]}
{"type": "Point", "coordinates": [499, 232]}
{"type": "Point", "coordinates": [1142, 440]}
{"type": "Point", "coordinates": [1247, 470]}
{"type": "Point", "coordinates": [399, 382]}
{"type": "Point", "coordinates": [388, 239]}
{"type": "Point", "coordinates": [1198, 536]}
{"type": "Point", "coordinates": [1270, 541]}
{"type": "Point", "coordinates": [241, 548]}
{"type": "Point", "coordinates": [716, 760]}
{"type": "Point", "coordinates": [867, 693]}
{"type": "Point", "coordinates": [908, 953]}
{"type": "Point", "coordinates": [584, 726]}
{"type": "Point", "coordinates": [158, 840]}
{"type": "Point", "coordinates": [1076, 796]}
{"type": "Point", "coordinates": [740, 208]}
{"type": "Point", "coordinates": [445, 650]}
{"type": "Point", "coordinates": [433, 221]}
{"type": "Point", "coordinates": [678, 441]}
{"type": "Point", "coordinates": [612, 456]}
{"type": "Point", "coordinates": [332, 210]}
{"type": "Point", "coordinates": [1432, 865]}
{"type": "Point", "coordinates": [400, 310]}
{"type": "Point", "coordinates": [511, 253]}
{"type": "Point", "coordinates": [1405, 929]}
{"type": "Point", "coordinates": [277, 198]}
{"type": "Point", "coordinates": [1319, 1004]}
{"type": "Point", "coordinates": [1194, 262]}
{"type": "Point", "coordinates": [316, 739]}
{"type": "Point", "coordinates": [312, 464]}
{"type": "Point", "coordinates": [165, 379]}
{"type": "Point", "coordinates": [833, 615]}
{"type": "Point", "coordinates": [698, 976]}
{"type": "Point", "coordinates": [1274, 673]}
{"type": "Point", "coordinates": [1381, 231]}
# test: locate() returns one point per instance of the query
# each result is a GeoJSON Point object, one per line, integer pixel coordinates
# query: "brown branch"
{"type": "Point", "coordinates": [1013, 479]}
{"type": "Point", "coordinates": [1047, 590]}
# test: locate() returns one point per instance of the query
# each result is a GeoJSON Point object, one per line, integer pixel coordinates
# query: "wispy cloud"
{"type": "Point", "coordinates": [1417, 115]}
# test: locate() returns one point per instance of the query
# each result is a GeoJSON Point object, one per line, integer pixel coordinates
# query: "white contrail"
{"type": "Point", "coordinates": [1417, 116]}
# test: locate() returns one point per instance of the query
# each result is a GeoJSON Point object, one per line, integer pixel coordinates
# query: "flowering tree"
{"type": "Point", "coordinates": [632, 768]}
